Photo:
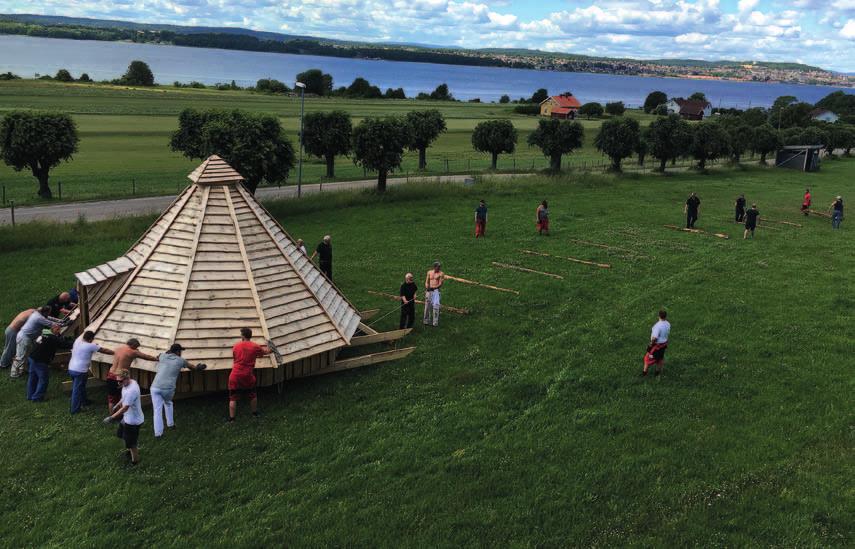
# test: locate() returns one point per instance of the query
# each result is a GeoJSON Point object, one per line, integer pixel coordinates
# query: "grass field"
{"type": "Point", "coordinates": [124, 136]}
{"type": "Point", "coordinates": [522, 424]}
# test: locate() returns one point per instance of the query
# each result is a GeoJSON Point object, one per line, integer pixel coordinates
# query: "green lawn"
{"type": "Point", "coordinates": [522, 424]}
{"type": "Point", "coordinates": [124, 136]}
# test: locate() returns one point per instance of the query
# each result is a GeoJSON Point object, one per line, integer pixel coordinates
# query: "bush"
{"type": "Point", "coordinates": [269, 85]}
{"type": "Point", "coordinates": [504, 99]}
{"type": "Point", "coordinates": [591, 110]}
{"type": "Point", "coordinates": [615, 108]}
{"type": "Point", "coordinates": [84, 78]}
{"type": "Point", "coordinates": [138, 74]}
{"type": "Point", "coordinates": [9, 76]}
{"type": "Point", "coordinates": [62, 75]}
{"type": "Point", "coordinates": [531, 110]}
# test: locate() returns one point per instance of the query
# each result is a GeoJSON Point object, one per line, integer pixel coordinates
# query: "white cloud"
{"type": "Point", "coordinates": [848, 30]}
{"type": "Point", "coordinates": [691, 38]}
{"type": "Point", "coordinates": [747, 5]}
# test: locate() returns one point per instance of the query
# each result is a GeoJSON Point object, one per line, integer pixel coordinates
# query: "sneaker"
{"type": "Point", "coordinates": [230, 420]}
{"type": "Point", "coordinates": [171, 427]}
{"type": "Point", "coordinates": [644, 373]}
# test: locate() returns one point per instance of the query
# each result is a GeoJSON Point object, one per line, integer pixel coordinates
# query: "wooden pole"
{"type": "Point", "coordinates": [473, 283]}
{"type": "Point", "coordinates": [607, 247]}
{"type": "Point", "coordinates": [821, 214]}
{"type": "Point", "coordinates": [697, 231]}
{"type": "Point", "coordinates": [759, 225]}
{"type": "Point", "coordinates": [443, 307]}
{"type": "Point", "coordinates": [573, 259]}
{"type": "Point", "coordinates": [527, 270]}
{"type": "Point", "coordinates": [790, 223]}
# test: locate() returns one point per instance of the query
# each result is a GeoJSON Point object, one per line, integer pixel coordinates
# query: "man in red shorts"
{"type": "Point", "coordinates": [806, 202]}
{"type": "Point", "coordinates": [242, 377]}
{"type": "Point", "coordinates": [655, 354]}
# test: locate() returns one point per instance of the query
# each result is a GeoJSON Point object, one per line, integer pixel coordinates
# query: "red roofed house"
{"type": "Point", "coordinates": [560, 106]}
{"type": "Point", "coordinates": [690, 109]}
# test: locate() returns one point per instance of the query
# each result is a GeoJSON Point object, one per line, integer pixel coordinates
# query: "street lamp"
{"type": "Point", "coordinates": [300, 168]}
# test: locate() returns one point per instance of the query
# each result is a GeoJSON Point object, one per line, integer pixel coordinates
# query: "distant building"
{"type": "Point", "coordinates": [799, 157]}
{"type": "Point", "coordinates": [823, 116]}
{"type": "Point", "coordinates": [690, 109]}
{"type": "Point", "coordinates": [560, 106]}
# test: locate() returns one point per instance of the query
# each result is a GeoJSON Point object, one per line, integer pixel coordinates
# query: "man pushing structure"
{"type": "Point", "coordinates": [433, 282]}
{"type": "Point", "coordinates": [123, 357]}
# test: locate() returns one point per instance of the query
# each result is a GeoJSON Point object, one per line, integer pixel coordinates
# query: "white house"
{"type": "Point", "coordinates": [690, 109]}
{"type": "Point", "coordinates": [823, 116]}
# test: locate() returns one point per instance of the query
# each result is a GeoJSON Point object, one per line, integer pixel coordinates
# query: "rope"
{"type": "Point", "coordinates": [376, 320]}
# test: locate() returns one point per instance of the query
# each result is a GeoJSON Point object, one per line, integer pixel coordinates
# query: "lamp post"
{"type": "Point", "coordinates": [300, 168]}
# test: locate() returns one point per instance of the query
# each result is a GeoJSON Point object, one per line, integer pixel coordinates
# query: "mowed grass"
{"type": "Point", "coordinates": [124, 137]}
{"type": "Point", "coordinates": [522, 424]}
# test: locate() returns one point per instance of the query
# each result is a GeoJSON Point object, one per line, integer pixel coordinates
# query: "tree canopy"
{"type": "Point", "coordinates": [316, 81]}
{"type": "Point", "coordinates": [138, 74]}
{"type": "Point", "coordinates": [709, 142]}
{"type": "Point", "coordinates": [425, 127]}
{"type": "Point", "coordinates": [618, 138]}
{"type": "Point", "coordinates": [378, 145]}
{"type": "Point", "coordinates": [270, 85]}
{"type": "Point", "coordinates": [764, 140]}
{"type": "Point", "coordinates": [63, 76]}
{"type": "Point", "coordinates": [327, 135]}
{"type": "Point", "coordinates": [441, 93]}
{"type": "Point", "coordinates": [539, 96]}
{"type": "Point", "coordinates": [616, 108]}
{"type": "Point", "coordinates": [495, 137]}
{"type": "Point", "coordinates": [254, 144]}
{"type": "Point", "coordinates": [698, 96]}
{"type": "Point", "coordinates": [362, 88]}
{"type": "Point", "coordinates": [591, 110]}
{"type": "Point", "coordinates": [38, 141]}
{"type": "Point", "coordinates": [555, 138]}
{"type": "Point", "coordinates": [505, 99]}
{"type": "Point", "coordinates": [668, 138]}
{"type": "Point", "coordinates": [653, 100]}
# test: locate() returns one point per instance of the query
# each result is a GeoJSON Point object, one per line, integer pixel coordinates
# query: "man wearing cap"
{"type": "Point", "coordinates": [11, 334]}
{"type": "Point", "coordinates": [129, 412]}
{"type": "Point", "coordinates": [433, 283]}
{"type": "Point", "coordinates": [836, 212]}
{"type": "Point", "coordinates": [123, 357]}
{"type": "Point", "coordinates": [324, 253]}
{"type": "Point", "coordinates": [43, 353]}
{"type": "Point", "coordinates": [26, 338]}
{"type": "Point", "coordinates": [242, 378]}
{"type": "Point", "coordinates": [407, 294]}
{"type": "Point", "coordinates": [78, 367]}
{"type": "Point", "coordinates": [169, 365]}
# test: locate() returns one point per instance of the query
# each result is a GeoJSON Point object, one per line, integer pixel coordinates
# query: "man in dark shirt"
{"type": "Point", "coordinates": [740, 209]}
{"type": "Point", "coordinates": [408, 302]}
{"type": "Point", "coordinates": [837, 212]}
{"type": "Point", "coordinates": [60, 305]}
{"type": "Point", "coordinates": [324, 253]}
{"type": "Point", "coordinates": [46, 346]}
{"type": "Point", "coordinates": [693, 207]}
{"type": "Point", "coordinates": [751, 217]}
{"type": "Point", "coordinates": [481, 219]}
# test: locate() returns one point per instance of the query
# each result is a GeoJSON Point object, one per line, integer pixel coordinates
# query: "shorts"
{"type": "Point", "coordinates": [750, 226]}
{"type": "Point", "coordinates": [242, 386]}
{"type": "Point", "coordinates": [655, 355]}
{"type": "Point", "coordinates": [114, 390]}
{"type": "Point", "coordinates": [543, 225]}
{"type": "Point", "coordinates": [129, 433]}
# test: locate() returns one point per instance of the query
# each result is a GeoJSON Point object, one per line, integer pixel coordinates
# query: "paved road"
{"type": "Point", "coordinates": [127, 207]}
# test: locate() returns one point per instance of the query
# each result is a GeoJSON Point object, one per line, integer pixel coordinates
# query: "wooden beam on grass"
{"type": "Point", "coordinates": [573, 259]}
{"type": "Point", "coordinates": [364, 360]}
{"type": "Point", "coordinates": [488, 286]}
{"type": "Point", "coordinates": [758, 225]}
{"type": "Point", "coordinates": [368, 314]}
{"type": "Point", "coordinates": [821, 214]}
{"type": "Point", "coordinates": [380, 337]}
{"type": "Point", "coordinates": [697, 231]}
{"type": "Point", "coordinates": [448, 308]}
{"type": "Point", "coordinates": [526, 270]}
{"type": "Point", "coordinates": [790, 223]}
{"type": "Point", "coordinates": [608, 247]}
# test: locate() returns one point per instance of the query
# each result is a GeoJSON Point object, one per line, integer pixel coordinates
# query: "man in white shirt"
{"type": "Point", "coordinates": [129, 410]}
{"type": "Point", "coordinates": [78, 368]}
{"type": "Point", "coordinates": [655, 354]}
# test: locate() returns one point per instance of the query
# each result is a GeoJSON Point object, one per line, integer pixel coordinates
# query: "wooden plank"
{"type": "Point", "coordinates": [607, 247]}
{"type": "Point", "coordinates": [821, 214]}
{"type": "Point", "coordinates": [697, 231]}
{"type": "Point", "coordinates": [790, 223]}
{"type": "Point", "coordinates": [394, 335]}
{"type": "Point", "coordinates": [365, 360]}
{"type": "Point", "coordinates": [573, 259]}
{"type": "Point", "coordinates": [482, 285]}
{"type": "Point", "coordinates": [368, 314]}
{"type": "Point", "coordinates": [526, 270]}
{"type": "Point", "coordinates": [450, 309]}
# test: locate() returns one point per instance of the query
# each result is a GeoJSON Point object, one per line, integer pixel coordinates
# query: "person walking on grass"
{"type": "Point", "coordinates": [751, 217]}
{"type": "Point", "coordinates": [407, 295]}
{"type": "Point", "coordinates": [43, 353]}
{"type": "Point", "coordinates": [78, 367]}
{"type": "Point", "coordinates": [806, 203]}
{"type": "Point", "coordinates": [542, 218]}
{"type": "Point", "coordinates": [128, 411]}
{"type": "Point", "coordinates": [242, 378]}
{"type": "Point", "coordinates": [24, 341]}
{"type": "Point", "coordinates": [655, 354]}
{"type": "Point", "coordinates": [169, 366]}
{"type": "Point", "coordinates": [740, 208]}
{"type": "Point", "coordinates": [433, 284]}
{"type": "Point", "coordinates": [324, 253]}
{"type": "Point", "coordinates": [692, 209]}
{"type": "Point", "coordinates": [123, 357]}
{"type": "Point", "coordinates": [11, 334]}
{"type": "Point", "coordinates": [836, 212]}
{"type": "Point", "coordinates": [481, 219]}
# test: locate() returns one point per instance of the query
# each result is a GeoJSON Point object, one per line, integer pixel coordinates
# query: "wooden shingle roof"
{"type": "Point", "coordinates": [217, 261]}
{"type": "Point", "coordinates": [214, 171]}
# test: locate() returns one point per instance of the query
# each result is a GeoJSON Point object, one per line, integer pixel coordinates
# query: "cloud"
{"type": "Point", "coordinates": [691, 38]}
{"type": "Point", "coordinates": [848, 30]}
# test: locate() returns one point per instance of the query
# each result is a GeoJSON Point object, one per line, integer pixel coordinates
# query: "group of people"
{"type": "Point", "coordinates": [29, 327]}
{"type": "Point", "coordinates": [541, 219]}
{"type": "Point", "coordinates": [836, 209]}
{"type": "Point", "coordinates": [323, 252]}
{"type": "Point", "coordinates": [407, 296]}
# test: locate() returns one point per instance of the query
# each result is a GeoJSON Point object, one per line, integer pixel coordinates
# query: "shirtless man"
{"type": "Point", "coordinates": [123, 357]}
{"type": "Point", "coordinates": [433, 282]}
{"type": "Point", "coordinates": [12, 330]}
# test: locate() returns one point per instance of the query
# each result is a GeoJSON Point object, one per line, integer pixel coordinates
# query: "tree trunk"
{"type": "Point", "coordinates": [495, 161]}
{"type": "Point", "coordinates": [555, 162]}
{"type": "Point", "coordinates": [763, 158]}
{"type": "Point", "coordinates": [674, 161]}
{"type": "Point", "coordinates": [641, 159]}
{"type": "Point", "coordinates": [662, 163]}
{"type": "Point", "coordinates": [44, 189]}
{"type": "Point", "coordinates": [616, 164]}
{"type": "Point", "coordinates": [330, 166]}
{"type": "Point", "coordinates": [251, 185]}
{"type": "Point", "coordinates": [736, 158]}
{"type": "Point", "coordinates": [381, 181]}
{"type": "Point", "coordinates": [422, 158]}
{"type": "Point", "coordinates": [702, 163]}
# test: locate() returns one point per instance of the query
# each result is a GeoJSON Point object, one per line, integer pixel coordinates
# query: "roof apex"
{"type": "Point", "coordinates": [215, 171]}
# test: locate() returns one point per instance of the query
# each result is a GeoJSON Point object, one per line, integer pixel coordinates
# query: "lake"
{"type": "Point", "coordinates": [26, 56]}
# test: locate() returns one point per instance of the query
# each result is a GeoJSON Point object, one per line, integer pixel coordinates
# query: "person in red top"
{"type": "Point", "coordinates": [242, 377]}
{"type": "Point", "coordinates": [806, 202]}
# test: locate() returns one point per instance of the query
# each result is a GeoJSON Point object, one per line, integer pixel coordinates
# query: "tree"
{"type": "Point", "coordinates": [786, 112]}
{"type": "Point", "coordinates": [441, 93]}
{"type": "Point", "coordinates": [813, 136]}
{"type": "Point", "coordinates": [378, 145]}
{"type": "Point", "coordinates": [316, 81]}
{"type": "Point", "coordinates": [63, 76]}
{"type": "Point", "coordinates": [698, 96]}
{"type": "Point", "coordinates": [363, 88]}
{"type": "Point", "coordinates": [755, 116]}
{"type": "Point", "coordinates": [709, 142]}
{"type": "Point", "coordinates": [253, 144]}
{"type": "Point", "coordinates": [661, 110]}
{"type": "Point", "coordinates": [555, 138]}
{"type": "Point", "coordinates": [618, 138]}
{"type": "Point", "coordinates": [327, 135]}
{"type": "Point", "coordinates": [668, 138]}
{"type": "Point", "coordinates": [37, 141]}
{"type": "Point", "coordinates": [739, 140]}
{"type": "Point", "coordinates": [138, 74]}
{"type": "Point", "coordinates": [505, 99]}
{"type": "Point", "coordinates": [643, 146]}
{"type": "Point", "coordinates": [653, 100]}
{"type": "Point", "coordinates": [425, 127]}
{"type": "Point", "coordinates": [269, 85]}
{"type": "Point", "coordinates": [84, 78]}
{"type": "Point", "coordinates": [615, 108]}
{"type": "Point", "coordinates": [591, 110]}
{"type": "Point", "coordinates": [539, 96]}
{"type": "Point", "coordinates": [395, 94]}
{"type": "Point", "coordinates": [764, 140]}
{"type": "Point", "coordinates": [495, 137]}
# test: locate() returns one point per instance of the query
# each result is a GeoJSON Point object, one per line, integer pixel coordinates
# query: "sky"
{"type": "Point", "coordinates": [817, 32]}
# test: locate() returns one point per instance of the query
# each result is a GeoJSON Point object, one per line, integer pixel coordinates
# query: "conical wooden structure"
{"type": "Point", "coordinates": [216, 261]}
